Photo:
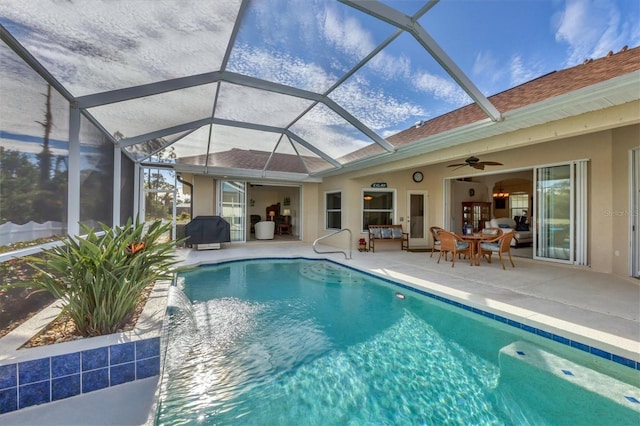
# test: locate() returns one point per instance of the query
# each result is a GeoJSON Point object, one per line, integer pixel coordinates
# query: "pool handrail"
{"type": "Point", "coordinates": [336, 251]}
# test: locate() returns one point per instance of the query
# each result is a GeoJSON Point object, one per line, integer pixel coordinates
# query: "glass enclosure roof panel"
{"type": "Point", "coordinates": [290, 156]}
{"type": "Point", "coordinates": [102, 45]}
{"type": "Point", "coordinates": [305, 44]}
{"type": "Point", "coordinates": [231, 147]}
{"type": "Point", "coordinates": [285, 159]}
{"type": "Point", "coordinates": [113, 50]}
{"type": "Point", "coordinates": [312, 162]}
{"type": "Point", "coordinates": [401, 85]}
{"type": "Point", "coordinates": [240, 103]}
{"type": "Point", "coordinates": [329, 132]}
{"type": "Point", "coordinates": [143, 150]}
{"type": "Point", "coordinates": [192, 148]}
{"type": "Point", "coordinates": [144, 115]}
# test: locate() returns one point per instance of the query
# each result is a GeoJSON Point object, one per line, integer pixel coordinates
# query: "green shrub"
{"type": "Point", "coordinates": [98, 277]}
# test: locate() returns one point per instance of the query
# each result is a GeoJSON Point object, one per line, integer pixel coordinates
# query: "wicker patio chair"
{"type": "Point", "coordinates": [451, 243]}
{"type": "Point", "coordinates": [436, 240]}
{"type": "Point", "coordinates": [501, 244]}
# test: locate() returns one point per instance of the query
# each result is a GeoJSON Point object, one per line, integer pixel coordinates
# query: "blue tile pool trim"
{"type": "Point", "coordinates": [539, 332]}
{"type": "Point", "coordinates": [43, 380]}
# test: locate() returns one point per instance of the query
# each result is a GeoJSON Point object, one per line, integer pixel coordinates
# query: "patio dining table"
{"type": "Point", "coordinates": [474, 240]}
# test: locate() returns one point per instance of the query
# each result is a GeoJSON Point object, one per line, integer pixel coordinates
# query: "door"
{"type": "Point", "coordinates": [635, 213]}
{"type": "Point", "coordinates": [231, 202]}
{"type": "Point", "coordinates": [417, 223]}
{"type": "Point", "coordinates": [560, 232]}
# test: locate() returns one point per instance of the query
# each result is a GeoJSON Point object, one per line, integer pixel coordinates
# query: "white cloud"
{"type": "Point", "coordinates": [280, 67]}
{"type": "Point", "coordinates": [486, 66]}
{"type": "Point", "coordinates": [346, 34]}
{"type": "Point", "coordinates": [375, 108]}
{"type": "Point", "coordinates": [392, 67]}
{"type": "Point", "coordinates": [591, 28]}
{"type": "Point", "coordinates": [440, 88]}
{"type": "Point", "coordinates": [521, 73]}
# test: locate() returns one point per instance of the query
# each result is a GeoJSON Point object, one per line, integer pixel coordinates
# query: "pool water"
{"type": "Point", "coordinates": [307, 342]}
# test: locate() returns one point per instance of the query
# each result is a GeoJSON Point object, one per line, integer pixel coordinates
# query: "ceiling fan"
{"type": "Point", "coordinates": [475, 163]}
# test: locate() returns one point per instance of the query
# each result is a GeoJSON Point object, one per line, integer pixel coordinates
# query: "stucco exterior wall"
{"type": "Point", "coordinates": [593, 136]}
{"type": "Point", "coordinates": [204, 195]}
{"type": "Point", "coordinates": [624, 140]}
{"type": "Point", "coordinates": [608, 154]}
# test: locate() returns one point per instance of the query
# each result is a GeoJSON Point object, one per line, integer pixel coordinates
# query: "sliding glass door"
{"type": "Point", "coordinates": [232, 200]}
{"type": "Point", "coordinates": [560, 209]}
{"type": "Point", "coordinates": [553, 202]}
{"type": "Point", "coordinates": [634, 215]}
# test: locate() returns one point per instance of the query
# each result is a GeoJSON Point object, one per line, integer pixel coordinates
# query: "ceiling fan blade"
{"type": "Point", "coordinates": [479, 166]}
{"type": "Point", "coordinates": [457, 165]}
{"type": "Point", "coordinates": [491, 163]}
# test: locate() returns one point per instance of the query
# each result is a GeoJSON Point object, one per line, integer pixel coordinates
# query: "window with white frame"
{"type": "Point", "coordinates": [519, 204]}
{"type": "Point", "coordinates": [377, 208]}
{"type": "Point", "coordinates": [333, 206]}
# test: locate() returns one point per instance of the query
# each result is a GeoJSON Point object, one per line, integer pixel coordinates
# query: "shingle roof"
{"type": "Point", "coordinates": [545, 87]}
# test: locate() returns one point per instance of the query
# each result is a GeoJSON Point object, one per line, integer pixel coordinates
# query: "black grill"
{"type": "Point", "coordinates": [208, 230]}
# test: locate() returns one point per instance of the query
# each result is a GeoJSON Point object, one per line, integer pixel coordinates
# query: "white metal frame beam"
{"type": "Point", "coordinates": [130, 93]}
{"type": "Point", "coordinates": [223, 122]}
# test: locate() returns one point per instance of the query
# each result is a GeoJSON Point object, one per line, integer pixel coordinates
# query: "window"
{"type": "Point", "coordinates": [377, 208]}
{"type": "Point", "coordinates": [519, 204]}
{"type": "Point", "coordinates": [333, 203]}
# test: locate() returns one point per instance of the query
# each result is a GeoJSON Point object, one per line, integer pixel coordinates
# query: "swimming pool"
{"type": "Point", "coordinates": [311, 342]}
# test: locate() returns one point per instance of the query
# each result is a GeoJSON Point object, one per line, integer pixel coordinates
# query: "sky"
{"type": "Point", "coordinates": [93, 46]}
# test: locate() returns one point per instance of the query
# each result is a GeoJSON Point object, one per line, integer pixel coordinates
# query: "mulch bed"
{"type": "Point", "coordinates": [63, 328]}
{"type": "Point", "coordinates": [19, 304]}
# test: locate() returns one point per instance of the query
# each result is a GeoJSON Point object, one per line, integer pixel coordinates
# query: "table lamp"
{"type": "Point", "coordinates": [286, 213]}
{"type": "Point", "coordinates": [271, 214]}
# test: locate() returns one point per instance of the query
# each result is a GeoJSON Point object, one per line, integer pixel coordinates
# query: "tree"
{"type": "Point", "coordinates": [18, 182]}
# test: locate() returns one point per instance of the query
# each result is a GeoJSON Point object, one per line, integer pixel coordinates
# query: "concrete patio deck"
{"type": "Point", "coordinates": [601, 310]}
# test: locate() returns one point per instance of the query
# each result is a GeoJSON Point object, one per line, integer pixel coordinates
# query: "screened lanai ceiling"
{"type": "Point", "coordinates": [272, 88]}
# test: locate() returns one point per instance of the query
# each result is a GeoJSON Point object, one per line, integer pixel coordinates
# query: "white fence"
{"type": "Point", "coordinates": [11, 233]}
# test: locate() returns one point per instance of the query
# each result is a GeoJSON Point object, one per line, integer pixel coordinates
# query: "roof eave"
{"type": "Point", "coordinates": [609, 93]}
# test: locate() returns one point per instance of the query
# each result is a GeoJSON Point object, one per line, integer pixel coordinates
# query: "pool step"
{"type": "Point", "coordinates": [619, 392]}
{"type": "Point", "coordinates": [326, 272]}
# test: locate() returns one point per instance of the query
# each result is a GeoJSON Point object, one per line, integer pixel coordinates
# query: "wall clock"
{"type": "Point", "coordinates": [418, 176]}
